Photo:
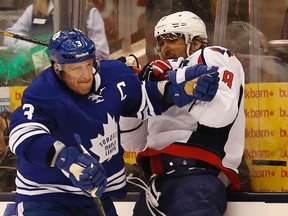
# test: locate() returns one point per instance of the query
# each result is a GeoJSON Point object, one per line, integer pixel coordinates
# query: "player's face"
{"type": "Point", "coordinates": [79, 76]}
{"type": "Point", "coordinates": [172, 45]}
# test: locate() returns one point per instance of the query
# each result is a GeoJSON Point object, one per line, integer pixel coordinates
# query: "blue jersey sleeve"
{"type": "Point", "coordinates": [137, 98]}
{"type": "Point", "coordinates": [34, 121]}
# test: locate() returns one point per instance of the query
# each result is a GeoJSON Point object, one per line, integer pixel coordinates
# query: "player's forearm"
{"type": "Point", "coordinates": [31, 148]}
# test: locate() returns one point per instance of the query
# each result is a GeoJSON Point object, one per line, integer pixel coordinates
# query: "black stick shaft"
{"type": "Point", "coordinates": [97, 200]}
{"type": "Point", "coordinates": [21, 37]}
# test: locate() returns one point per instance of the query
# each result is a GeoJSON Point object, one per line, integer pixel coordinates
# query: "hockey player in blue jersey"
{"type": "Point", "coordinates": [66, 133]}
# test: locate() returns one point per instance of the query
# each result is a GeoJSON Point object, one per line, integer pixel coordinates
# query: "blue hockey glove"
{"type": "Point", "coordinates": [206, 87]}
{"type": "Point", "coordinates": [84, 171]}
{"type": "Point", "coordinates": [183, 90]}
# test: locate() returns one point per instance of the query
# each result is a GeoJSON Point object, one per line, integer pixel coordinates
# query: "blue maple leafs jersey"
{"type": "Point", "coordinates": [51, 112]}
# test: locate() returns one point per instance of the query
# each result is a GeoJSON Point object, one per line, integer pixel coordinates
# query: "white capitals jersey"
{"type": "Point", "coordinates": [209, 131]}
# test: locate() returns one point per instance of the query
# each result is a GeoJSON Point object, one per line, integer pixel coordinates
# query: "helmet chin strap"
{"type": "Point", "coordinates": [161, 56]}
{"type": "Point", "coordinates": [188, 49]}
{"type": "Point", "coordinates": [96, 66]}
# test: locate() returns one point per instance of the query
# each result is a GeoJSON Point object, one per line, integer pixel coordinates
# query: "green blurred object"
{"type": "Point", "coordinates": [23, 66]}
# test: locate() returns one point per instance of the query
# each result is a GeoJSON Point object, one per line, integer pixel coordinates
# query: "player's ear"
{"type": "Point", "coordinates": [196, 44]}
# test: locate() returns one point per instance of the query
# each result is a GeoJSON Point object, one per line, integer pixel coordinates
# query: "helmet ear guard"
{"type": "Point", "coordinates": [58, 68]}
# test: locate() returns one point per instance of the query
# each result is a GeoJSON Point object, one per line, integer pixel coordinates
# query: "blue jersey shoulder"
{"type": "Point", "coordinates": [115, 68]}
{"type": "Point", "coordinates": [46, 84]}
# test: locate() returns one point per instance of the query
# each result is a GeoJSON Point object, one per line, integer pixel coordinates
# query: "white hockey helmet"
{"type": "Point", "coordinates": [184, 22]}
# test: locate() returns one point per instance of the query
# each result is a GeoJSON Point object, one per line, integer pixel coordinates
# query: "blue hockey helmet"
{"type": "Point", "coordinates": [71, 46]}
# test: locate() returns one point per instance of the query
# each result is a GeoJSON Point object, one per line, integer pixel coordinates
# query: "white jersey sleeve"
{"type": "Point", "coordinates": [134, 133]}
{"type": "Point", "coordinates": [223, 109]}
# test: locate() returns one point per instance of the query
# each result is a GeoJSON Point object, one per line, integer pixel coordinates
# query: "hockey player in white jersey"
{"type": "Point", "coordinates": [192, 153]}
{"type": "Point", "coordinates": [80, 97]}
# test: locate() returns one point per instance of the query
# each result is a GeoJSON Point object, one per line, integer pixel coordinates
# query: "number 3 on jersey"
{"type": "Point", "coordinates": [28, 110]}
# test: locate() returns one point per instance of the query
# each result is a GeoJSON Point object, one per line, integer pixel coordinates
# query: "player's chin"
{"type": "Point", "coordinates": [83, 89]}
{"type": "Point", "coordinates": [171, 57]}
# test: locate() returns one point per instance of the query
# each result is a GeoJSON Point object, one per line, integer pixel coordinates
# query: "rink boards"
{"type": "Point", "coordinates": [240, 204]}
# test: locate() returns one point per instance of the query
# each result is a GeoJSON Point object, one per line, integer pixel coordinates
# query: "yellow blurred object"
{"type": "Point", "coordinates": [190, 86]}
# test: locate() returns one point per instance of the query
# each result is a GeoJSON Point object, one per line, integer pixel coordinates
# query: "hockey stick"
{"type": "Point", "coordinates": [21, 37]}
{"type": "Point", "coordinates": [77, 170]}
{"type": "Point", "coordinates": [7, 167]}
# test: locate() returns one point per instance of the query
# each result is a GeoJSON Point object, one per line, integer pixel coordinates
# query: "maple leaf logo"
{"type": "Point", "coordinates": [107, 145]}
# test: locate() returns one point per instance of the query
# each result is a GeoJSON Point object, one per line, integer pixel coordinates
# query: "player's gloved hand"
{"type": "Point", "coordinates": [157, 70]}
{"type": "Point", "coordinates": [132, 62]}
{"type": "Point", "coordinates": [84, 171]}
{"type": "Point", "coordinates": [206, 87]}
{"type": "Point", "coordinates": [182, 92]}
